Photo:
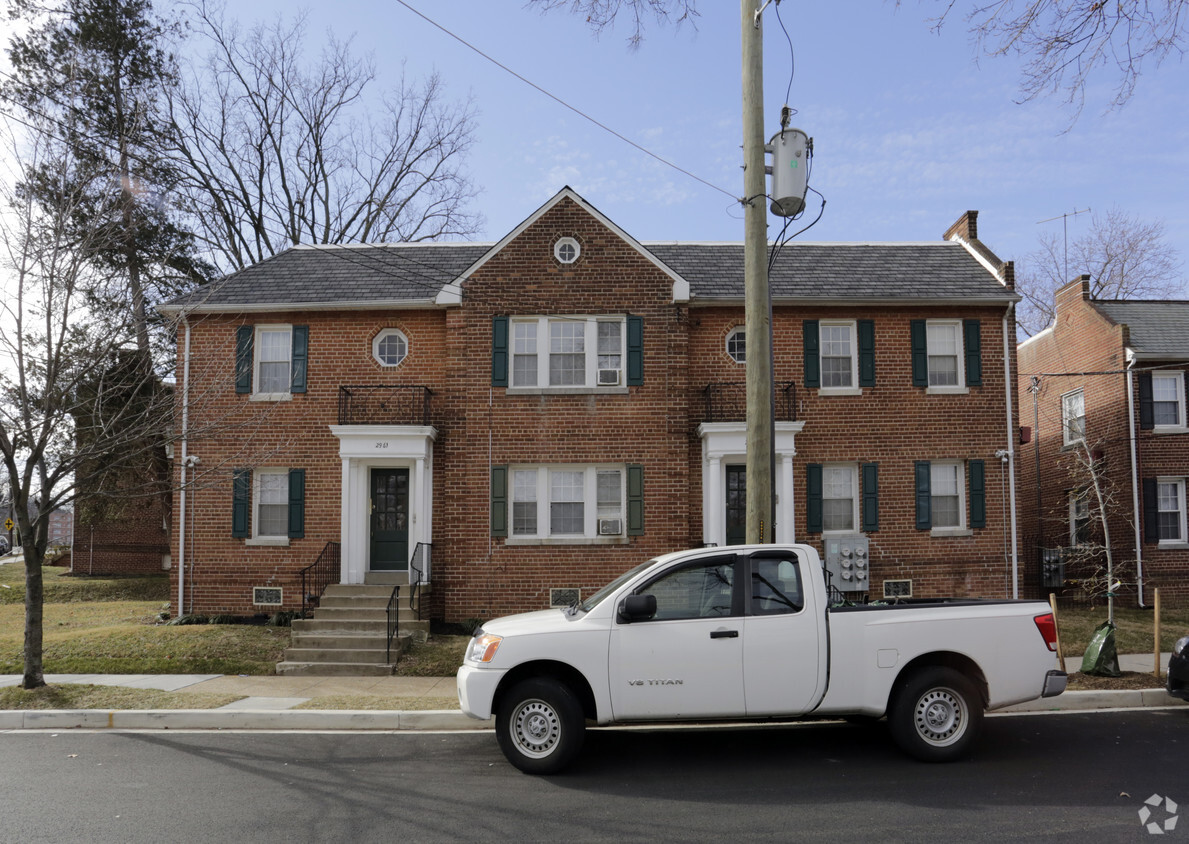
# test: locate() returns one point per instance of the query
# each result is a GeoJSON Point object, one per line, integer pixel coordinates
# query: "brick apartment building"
{"type": "Point", "coordinates": [1105, 388]}
{"type": "Point", "coordinates": [547, 411]}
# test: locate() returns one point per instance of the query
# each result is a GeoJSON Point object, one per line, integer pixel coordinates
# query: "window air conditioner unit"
{"type": "Point", "coordinates": [610, 527]}
{"type": "Point", "coordinates": [608, 377]}
{"type": "Point", "coordinates": [266, 596]}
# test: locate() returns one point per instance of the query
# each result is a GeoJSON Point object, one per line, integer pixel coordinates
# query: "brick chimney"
{"type": "Point", "coordinates": [966, 228]}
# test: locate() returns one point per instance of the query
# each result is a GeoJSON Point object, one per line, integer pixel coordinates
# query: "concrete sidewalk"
{"type": "Point", "coordinates": [269, 700]}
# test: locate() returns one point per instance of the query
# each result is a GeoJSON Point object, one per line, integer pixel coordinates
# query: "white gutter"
{"type": "Point", "coordinates": [1139, 538]}
{"type": "Point", "coordinates": [1011, 455]}
{"type": "Point", "coordinates": [185, 466]}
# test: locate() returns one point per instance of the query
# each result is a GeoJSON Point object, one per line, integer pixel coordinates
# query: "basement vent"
{"type": "Point", "coordinates": [564, 597]}
{"type": "Point", "coordinates": [897, 588]}
{"type": "Point", "coordinates": [269, 596]}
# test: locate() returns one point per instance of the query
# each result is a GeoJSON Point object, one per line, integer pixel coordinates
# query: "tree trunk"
{"type": "Point", "coordinates": [34, 676]}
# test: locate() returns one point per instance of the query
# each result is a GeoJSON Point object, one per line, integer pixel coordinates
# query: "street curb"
{"type": "Point", "coordinates": [431, 720]}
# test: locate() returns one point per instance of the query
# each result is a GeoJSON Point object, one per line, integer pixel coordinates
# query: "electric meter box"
{"type": "Point", "coordinates": [847, 563]}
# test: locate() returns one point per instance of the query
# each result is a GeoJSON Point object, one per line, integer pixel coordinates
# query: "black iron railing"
{"type": "Point", "coordinates": [327, 569]}
{"type": "Point", "coordinates": [380, 404]}
{"type": "Point", "coordinates": [393, 622]}
{"type": "Point", "coordinates": [419, 572]}
{"type": "Point", "coordinates": [727, 402]}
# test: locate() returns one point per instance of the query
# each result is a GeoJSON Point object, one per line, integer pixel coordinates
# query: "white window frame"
{"type": "Point", "coordinates": [960, 341]}
{"type": "Point", "coordinates": [1067, 437]}
{"type": "Point", "coordinates": [257, 350]}
{"type": "Point", "coordinates": [852, 329]}
{"type": "Point", "coordinates": [380, 338]}
{"type": "Point", "coordinates": [1178, 484]}
{"type": "Point", "coordinates": [1178, 382]}
{"type": "Point", "coordinates": [543, 489]}
{"type": "Point", "coordinates": [959, 468]}
{"type": "Point", "coordinates": [258, 538]}
{"type": "Point", "coordinates": [853, 470]}
{"type": "Point", "coordinates": [561, 250]}
{"type": "Point", "coordinates": [591, 352]}
{"type": "Point", "coordinates": [738, 331]}
{"type": "Point", "coordinates": [1077, 502]}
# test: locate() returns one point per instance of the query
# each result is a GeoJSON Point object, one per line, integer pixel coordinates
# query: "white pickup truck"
{"type": "Point", "coordinates": [747, 633]}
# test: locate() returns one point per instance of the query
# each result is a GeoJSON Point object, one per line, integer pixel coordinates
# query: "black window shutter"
{"type": "Point", "coordinates": [866, 328]}
{"type": "Point", "coordinates": [813, 497]}
{"type": "Point", "coordinates": [974, 352]}
{"type": "Point", "coordinates": [813, 368]}
{"type": "Point", "coordinates": [499, 500]}
{"type": "Point", "coordinates": [1151, 522]}
{"type": "Point", "coordinates": [1147, 418]}
{"type": "Point", "coordinates": [499, 353]}
{"type": "Point", "coordinates": [870, 497]}
{"type": "Point", "coordinates": [243, 358]}
{"type": "Point", "coordinates": [297, 503]}
{"type": "Point", "coordinates": [635, 499]}
{"type": "Point", "coordinates": [635, 374]}
{"type": "Point", "coordinates": [241, 502]}
{"type": "Point", "coordinates": [920, 354]}
{"type": "Point", "coordinates": [300, 361]}
{"type": "Point", "coordinates": [978, 494]}
{"type": "Point", "coordinates": [923, 492]}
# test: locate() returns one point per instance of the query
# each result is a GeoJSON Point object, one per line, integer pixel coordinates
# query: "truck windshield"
{"type": "Point", "coordinates": [591, 602]}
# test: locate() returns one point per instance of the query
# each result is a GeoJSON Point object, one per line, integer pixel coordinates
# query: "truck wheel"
{"type": "Point", "coordinates": [936, 715]}
{"type": "Point", "coordinates": [540, 725]}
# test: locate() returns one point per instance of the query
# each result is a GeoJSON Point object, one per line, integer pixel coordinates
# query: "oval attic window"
{"type": "Point", "coordinates": [566, 250]}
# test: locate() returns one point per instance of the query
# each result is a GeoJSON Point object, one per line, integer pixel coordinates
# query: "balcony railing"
{"type": "Point", "coordinates": [383, 404]}
{"type": "Point", "coordinates": [727, 402]}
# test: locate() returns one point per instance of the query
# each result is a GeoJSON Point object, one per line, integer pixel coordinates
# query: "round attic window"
{"type": "Point", "coordinates": [390, 347]}
{"type": "Point", "coordinates": [566, 250]}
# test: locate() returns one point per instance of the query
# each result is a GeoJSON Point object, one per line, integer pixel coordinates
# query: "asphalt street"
{"type": "Point", "coordinates": [1055, 777]}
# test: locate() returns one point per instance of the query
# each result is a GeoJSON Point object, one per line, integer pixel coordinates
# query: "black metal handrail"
{"type": "Point", "coordinates": [393, 622]}
{"type": "Point", "coordinates": [314, 579]}
{"type": "Point", "coordinates": [727, 402]}
{"type": "Point", "coordinates": [384, 404]}
{"type": "Point", "coordinates": [419, 572]}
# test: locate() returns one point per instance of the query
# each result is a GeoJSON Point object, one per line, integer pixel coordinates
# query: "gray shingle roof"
{"type": "Point", "coordinates": [1157, 329]}
{"type": "Point", "coordinates": [359, 276]}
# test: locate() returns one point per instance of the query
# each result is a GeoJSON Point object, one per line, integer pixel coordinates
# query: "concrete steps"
{"type": "Point", "coordinates": [348, 633]}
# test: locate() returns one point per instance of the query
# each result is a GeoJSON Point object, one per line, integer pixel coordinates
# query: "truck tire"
{"type": "Point", "coordinates": [539, 725]}
{"type": "Point", "coordinates": [936, 715]}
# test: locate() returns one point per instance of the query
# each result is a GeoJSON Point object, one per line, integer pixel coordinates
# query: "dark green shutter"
{"type": "Point", "coordinates": [635, 375]}
{"type": "Point", "coordinates": [866, 353]}
{"type": "Point", "coordinates": [813, 497]}
{"type": "Point", "coordinates": [499, 354]}
{"type": "Point", "coordinates": [920, 354]}
{"type": "Point", "coordinates": [499, 500]}
{"type": "Point", "coordinates": [924, 493]}
{"type": "Point", "coordinates": [870, 497]}
{"type": "Point", "coordinates": [1147, 416]}
{"type": "Point", "coordinates": [635, 499]}
{"type": "Point", "coordinates": [813, 367]}
{"type": "Point", "coordinates": [974, 352]}
{"type": "Point", "coordinates": [243, 358]}
{"type": "Point", "coordinates": [300, 362]}
{"type": "Point", "coordinates": [978, 494]}
{"type": "Point", "coordinates": [297, 503]}
{"type": "Point", "coordinates": [1151, 511]}
{"type": "Point", "coordinates": [241, 501]}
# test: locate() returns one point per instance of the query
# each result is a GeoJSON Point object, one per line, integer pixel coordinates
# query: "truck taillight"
{"type": "Point", "coordinates": [1047, 626]}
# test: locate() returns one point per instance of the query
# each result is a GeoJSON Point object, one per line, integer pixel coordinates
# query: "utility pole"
{"type": "Point", "coordinates": [757, 300]}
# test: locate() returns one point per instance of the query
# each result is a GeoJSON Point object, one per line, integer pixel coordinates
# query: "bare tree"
{"type": "Point", "coordinates": [1064, 42]}
{"type": "Point", "coordinates": [600, 14]}
{"type": "Point", "coordinates": [1125, 256]}
{"type": "Point", "coordinates": [278, 151]}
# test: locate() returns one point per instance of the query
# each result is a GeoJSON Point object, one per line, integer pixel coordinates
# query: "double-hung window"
{"type": "Point", "coordinates": [946, 491]}
{"type": "Point", "coordinates": [271, 501]}
{"type": "Point", "coordinates": [839, 499]}
{"type": "Point", "coordinates": [945, 353]}
{"type": "Point", "coordinates": [273, 348]}
{"type": "Point", "coordinates": [563, 502]}
{"type": "Point", "coordinates": [1170, 510]}
{"type": "Point", "coordinates": [951, 496]}
{"type": "Point", "coordinates": [564, 352]}
{"type": "Point", "coordinates": [1079, 518]}
{"type": "Point", "coordinates": [1073, 417]}
{"type": "Point", "coordinates": [838, 369]}
{"type": "Point", "coordinates": [1168, 400]}
{"type": "Point", "coordinates": [268, 505]}
{"type": "Point", "coordinates": [271, 361]}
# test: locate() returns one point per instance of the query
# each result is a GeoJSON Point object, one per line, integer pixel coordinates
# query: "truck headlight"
{"type": "Point", "coordinates": [1181, 646]}
{"type": "Point", "coordinates": [483, 647]}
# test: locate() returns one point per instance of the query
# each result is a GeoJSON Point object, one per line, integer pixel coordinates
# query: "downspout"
{"type": "Point", "coordinates": [1139, 543]}
{"type": "Point", "coordinates": [185, 465]}
{"type": "Point", "coordinates": [1011, 453]}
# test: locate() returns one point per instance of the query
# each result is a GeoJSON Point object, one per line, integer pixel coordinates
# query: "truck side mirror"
{"type": "Point", "coordinates": [637, 608]}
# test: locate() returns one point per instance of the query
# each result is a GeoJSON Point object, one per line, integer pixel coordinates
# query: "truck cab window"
{"type": "Point", "coordinates": [775, 586]}
{"type": "Point", "coordinates": [702, 591]}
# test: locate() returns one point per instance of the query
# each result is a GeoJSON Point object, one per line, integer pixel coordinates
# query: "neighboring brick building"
{"type": "Point", "coordinates": [1110, 390]}
{"type": "Point", "coordinates": [554, 408]}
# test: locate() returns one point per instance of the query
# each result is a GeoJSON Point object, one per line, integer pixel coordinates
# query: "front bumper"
{"type": "Point", "coordinates": [1055, 683]}
{"type": "Point", "coordinates": [476, 690]}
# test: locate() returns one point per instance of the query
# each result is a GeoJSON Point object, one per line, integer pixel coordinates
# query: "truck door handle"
{"type": "Point", "coordinates": [724, 634]}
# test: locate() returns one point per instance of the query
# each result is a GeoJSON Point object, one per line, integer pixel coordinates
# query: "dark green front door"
{"type": "Point", "coordinates": [736, 505]}
{"type": "Point", "coordinates": [390, 520]}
